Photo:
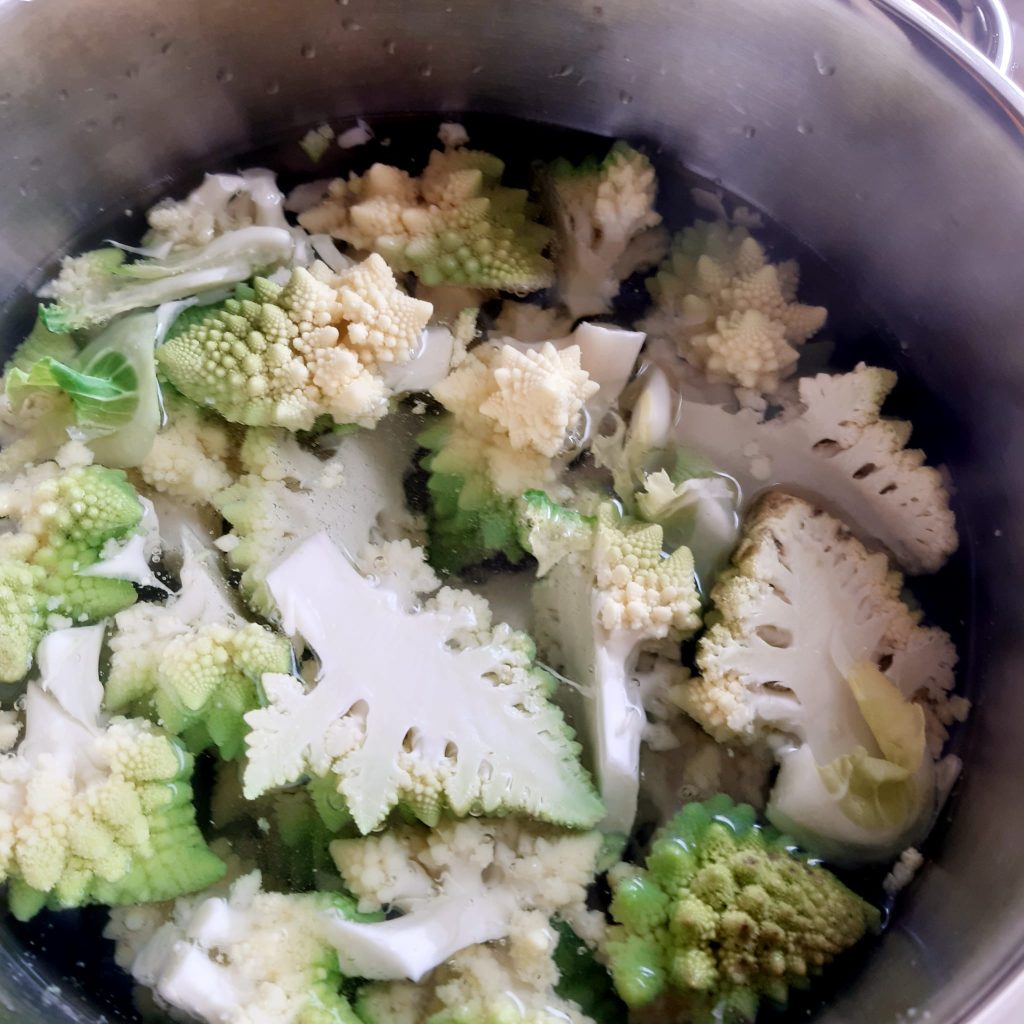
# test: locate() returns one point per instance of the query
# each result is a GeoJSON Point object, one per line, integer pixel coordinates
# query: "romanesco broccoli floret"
{"type": "Point", "coordinates": [514, 875]}
{"type": "Point", "coordinates": [99, 285]}
{"type": "Point", "coordinates": [731, 312]}
{"type": "Point", "coordinates": [512, 411]}
{"type": "Point", "coordinates": [471, 730]}
{"type": "Point", "coordinates": [606, 226]}
{"type": "Point", "coordinates": [287, 493]}
{"type": "Point", "coordinates": [193, 664]}
{"type": "Point", "coordinates": [837, 445]}
{"type": "Point", "coordinates": [93, 809]}
{"type": "Point", "coordinates": [455, 224]}
{"type": "Point", "coordinates": [247, 955]}
{"type": "Point", "coordinates": [595, 613]}
{"type": "Point", "coordinates": [67, 523]}
{"type": "Point", "coordinates": [801, 627]}
{"type": "Point", "coordinates": [725, 913]}
{"type": "Point", "coordinates": [289, 354]}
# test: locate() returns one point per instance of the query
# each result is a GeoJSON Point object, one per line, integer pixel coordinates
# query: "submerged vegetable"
{"type": "Point", "coordinates": [249, 454]}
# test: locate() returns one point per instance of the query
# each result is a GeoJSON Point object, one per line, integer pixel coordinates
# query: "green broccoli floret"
{"type": "Point", "coordinates": [606, 226]}
{"type": "Point", "coordinates": [66, 521]}
{"type": "Point", "coordinates": [454, 225]}
{"type": "Point", "coordinates": [193, 664]}
{"type": "Point", "coordinates": [725, 913]}
{"type": "Point", "coordinates": [94, 810]}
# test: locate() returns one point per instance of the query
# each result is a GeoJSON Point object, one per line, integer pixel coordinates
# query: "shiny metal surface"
{"type": "Point", "coordinates": [898, 158]}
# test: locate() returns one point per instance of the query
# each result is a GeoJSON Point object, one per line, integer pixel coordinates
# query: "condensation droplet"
{"type": "Point", "coordinates": [308, 51]}
{"type": "Point", "coordinates": [425, 71]}
{"type": "Point", "coordinates": [826, 65]}
{"type": "Point", "coordinates": [564, 71]}
{"type": "Point", "coordinates": [749, 131]}
{"type": "Point", "coordinates": [625, 97]}
{"type": "Point", "coordinates": [341, 3]}
{"type": "Point", "coordinates": [132, 71]}
{"type": "Point", "coordinates": [166, 48]}
{"type": "Point", "coordinates": [5, 98]}
{"type": "Point", "coordinates": [273, 88]}
{"type": "Point", "coordinates": [111, 97]}
{"type": "Point", "coordinates": [35, 163]}
{"type": "Point", "coordinates": [90, 125]}
{"type": "Point", "coordinates": [860, 196]}
{"type": "Point", "coordinates": [390, 46]}
{"type": "Point", "coordinates": [62, 95]}
{"type": "Point", "coordinates": [23, 189]}
{"type": "Point", "coordinates": [224, 75]}
{"type": "Point", "coordinates": [804, 127]}
{"type": "Point", "coordinates": [476, 69]}
{"type": "Point", "coordinates": [350, 25]}
{"type": "Point", "coordinates": [118, 122]}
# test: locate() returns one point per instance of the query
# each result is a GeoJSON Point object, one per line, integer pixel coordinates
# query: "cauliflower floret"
{"type": "Point", "coordinates": [731, 312]}
{"type": "Point", "coordinates": [595, 612]}
{"type": "Point", "coordinates": [454, 225]}
{"type": "Point", "coordinates": [286, 494]}
{"type": "Point", "coordinates": [725, 913]}
{"type": "Point", "coordinates": [286, 355]}
{"type": "Point", "coordinates": [94, 810]}
{"type": "Point", "coordinates": [189, 457]}
{"type": "Point", "coordinates": [838, 446]}
{"type": "Point", "coordinates": [471, 730]}
{"type": "Point", "coordinates": [526, 322]}
{"type": "Point", "coordinates": [516, 981]}
{"type": "Point", "coordinates": [606, 226]}
{"type": "Point", "coordinates": [245, 957]}
{"type": "Point", "coordinates": [805, 607]}
{"type": "Point", "coordinates": [193, 664]}
{"type": "Point", "coordinates": [514, 875]}
{"type": "Point", "coordinates": [222, 203]}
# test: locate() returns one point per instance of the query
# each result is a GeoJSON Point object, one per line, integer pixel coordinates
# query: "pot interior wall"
{"type": "Point", "coordinates": [871, 146]}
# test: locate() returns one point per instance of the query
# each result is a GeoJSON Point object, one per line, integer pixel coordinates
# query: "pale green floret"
{"type": "Point", "coordinates": [471, 730]}
{"type": "Point", "coordinates": [92, 809]}
{"type": "Point", "coordinates": [606, 226]}
{"type": "Point", "coordinates": [454, 225]}
{"type": "Point", "coordinates": [99, 285]}
{"type": "Point", "coordinates": [725, 913]}
{"type": "Point", "coordinates": [240, 955]}
{"type": "Point", "coordinates": [66, 520]}
{"type": "Point", "coordinates": [193, 665]}
{"type": "Point", "coordinates": [595, 613]}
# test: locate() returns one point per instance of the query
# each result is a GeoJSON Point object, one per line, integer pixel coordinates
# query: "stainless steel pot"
{"type": "Point", "coordinates": [871, 130]}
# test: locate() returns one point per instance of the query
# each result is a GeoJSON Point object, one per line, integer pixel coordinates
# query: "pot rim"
{"type": "Point", "coordinates": [985, 70]}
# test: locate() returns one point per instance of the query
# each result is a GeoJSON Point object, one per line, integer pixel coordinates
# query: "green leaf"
{"type": "Point", "coordinates": [40, 343]}
{"type": "Point", "coordinates": [103, 394]}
